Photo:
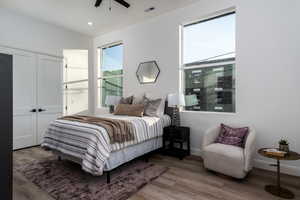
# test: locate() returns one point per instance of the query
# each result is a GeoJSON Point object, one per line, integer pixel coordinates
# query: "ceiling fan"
{"type": "Point", "coordinates": [122, 2]}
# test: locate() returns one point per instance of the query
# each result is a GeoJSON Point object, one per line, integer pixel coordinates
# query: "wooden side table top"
{"type": "Point", "coordinates": [289, 156]}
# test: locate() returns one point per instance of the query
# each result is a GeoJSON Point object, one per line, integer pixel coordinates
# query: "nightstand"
{"type": "Point", "coordinates": [176, 141]}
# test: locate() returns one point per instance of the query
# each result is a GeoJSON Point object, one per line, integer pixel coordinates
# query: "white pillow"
{"type": "Point", "coordinates": [138, 99]}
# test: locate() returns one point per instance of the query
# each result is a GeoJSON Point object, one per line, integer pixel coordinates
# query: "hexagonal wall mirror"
{"type": "Point", "coordinates": [147, 72]}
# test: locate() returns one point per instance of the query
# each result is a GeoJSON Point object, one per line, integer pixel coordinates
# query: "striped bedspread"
{"type": "Point", "coordinates": [91, 144]}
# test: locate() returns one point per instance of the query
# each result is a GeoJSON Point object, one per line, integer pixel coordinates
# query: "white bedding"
{"type": "Point", "coordinates": [90, 143]}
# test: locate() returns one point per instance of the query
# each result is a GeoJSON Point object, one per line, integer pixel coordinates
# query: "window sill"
{"type": "Point", "coordinates": [209, 113]}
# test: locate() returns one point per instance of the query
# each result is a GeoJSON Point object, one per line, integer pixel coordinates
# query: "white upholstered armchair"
{"type": "Point", "coordinates": [226, 159]}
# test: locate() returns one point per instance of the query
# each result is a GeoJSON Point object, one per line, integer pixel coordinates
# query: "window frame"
{"type": "Point", "coordinates": [66, 67]}
{"type": "Point", "coordinates": [183, 66]}
{"type": "Point", "coordinates": [99, 71]}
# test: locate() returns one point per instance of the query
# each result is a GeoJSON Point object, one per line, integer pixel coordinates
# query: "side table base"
{"type": "Point", "coordinates": [280, 192]}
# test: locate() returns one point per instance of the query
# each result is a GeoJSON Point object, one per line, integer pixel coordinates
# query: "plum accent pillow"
{"type": "Point", "coordinates": [232, 136]}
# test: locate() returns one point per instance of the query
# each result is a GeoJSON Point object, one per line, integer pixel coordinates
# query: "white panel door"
{"type": "Point", "coordinates": [50, 95]}
{"type": "Point", "coordinates": [24, 99]}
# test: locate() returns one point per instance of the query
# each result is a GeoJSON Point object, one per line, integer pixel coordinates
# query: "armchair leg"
{"type": "Point", "coordinates": [247, 175]}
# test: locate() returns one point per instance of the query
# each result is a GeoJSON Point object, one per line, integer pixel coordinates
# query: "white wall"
{"type": "Point", "coordinates": [268, 46]}
{"type": "Point", "coordinates": [26, 33]}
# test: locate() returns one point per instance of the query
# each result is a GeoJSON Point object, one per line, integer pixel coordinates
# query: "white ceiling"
{"type": "Point", "coordinates": [75, 14]}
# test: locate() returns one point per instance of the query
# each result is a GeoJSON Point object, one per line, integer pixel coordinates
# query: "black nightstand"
{"type": "Point", "coordinates": [176, 135]}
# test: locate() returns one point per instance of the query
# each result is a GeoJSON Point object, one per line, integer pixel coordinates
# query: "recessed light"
{"type": "Point", "coordinates": [150, 9]}
{"type": "Point", "coordinates": [90, 23]}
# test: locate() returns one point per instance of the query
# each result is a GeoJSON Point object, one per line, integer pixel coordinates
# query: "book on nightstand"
{"type": "Point", "coordinates": [275, 152]}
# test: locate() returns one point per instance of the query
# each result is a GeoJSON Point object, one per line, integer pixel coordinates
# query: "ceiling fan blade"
{"type": "Point", "coordinates": [123, 3]}
{"type": "Point", "coordinates": [98, 2]}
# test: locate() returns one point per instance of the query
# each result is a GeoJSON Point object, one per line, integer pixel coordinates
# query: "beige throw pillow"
{"type": "Point", "coordinates": [136, 110]}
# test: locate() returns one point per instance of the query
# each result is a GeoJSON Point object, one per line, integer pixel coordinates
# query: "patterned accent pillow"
{"type": "Point", "coordinates": [151, 107]}
{"type": "Point", "coordinates": [127, 100]}
{"type": "Point", "coordinates": [233, 136]}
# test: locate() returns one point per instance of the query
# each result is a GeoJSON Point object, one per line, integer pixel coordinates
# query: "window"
{"type": "Point", "coordinates": [208, 55]}
{"type": "Point", "coordinates": [110, 77]}
{"type": "Point", "coordinates": [75, 81]}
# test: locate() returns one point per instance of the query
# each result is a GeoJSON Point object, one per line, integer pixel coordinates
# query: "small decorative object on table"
{"type": "Point", "coordinates": [277, 190]}
{"type": "Point", "coordinates": [176, 100]}
{"type": "Point", "coordinates": [176, 135]}
{"type": "Point", "coordinates": [275, 152]}
{"type": "Point", "coordinates": [112, 101]}
{"type": "Point", "coordinates": [284, 145]}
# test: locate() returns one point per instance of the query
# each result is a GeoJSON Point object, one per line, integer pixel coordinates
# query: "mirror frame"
{"type": "Point", "coordinates": [137, 76]}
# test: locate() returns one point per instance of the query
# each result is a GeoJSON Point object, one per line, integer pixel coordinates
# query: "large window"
{"type": "Point", "coordinates": [75, 81]}
{"type": "Point", "coordinates": [208, 55]}
{"type": "Point", "coordinates": [110, 79]}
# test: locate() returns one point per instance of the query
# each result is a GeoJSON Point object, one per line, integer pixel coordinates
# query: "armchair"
{"type": "Point", "coordinates": [226, 159]}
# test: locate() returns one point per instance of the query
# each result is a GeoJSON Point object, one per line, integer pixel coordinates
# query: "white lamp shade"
{"type": "Point", "coordinates": [176, 99]}
{"type": "Point", "coordinates": [112, 100]}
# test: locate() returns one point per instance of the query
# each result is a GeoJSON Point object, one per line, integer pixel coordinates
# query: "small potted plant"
{"type": "Point", "coordinates": [284, 145]}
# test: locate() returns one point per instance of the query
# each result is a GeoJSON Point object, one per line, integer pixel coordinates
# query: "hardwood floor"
{"type": "Point", "coordinates": [186, 179]}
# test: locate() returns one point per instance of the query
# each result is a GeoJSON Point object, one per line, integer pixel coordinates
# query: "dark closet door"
{"type": "Point", "coordinates": [6, 118]}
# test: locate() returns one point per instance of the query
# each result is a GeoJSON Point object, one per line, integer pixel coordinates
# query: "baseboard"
{"type": "Point", "coordinates": [262, 164]}
{"type": "Point", "coordinates": [196, 152]}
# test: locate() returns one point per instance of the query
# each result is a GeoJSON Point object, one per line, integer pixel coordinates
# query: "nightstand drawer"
{"type": "Point", "coordinates": [177, 132]}
{"type": "Point", "coordinates": [176, 135]}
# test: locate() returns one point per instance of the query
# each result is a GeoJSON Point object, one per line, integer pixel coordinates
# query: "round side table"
{"type": "Point", "coordinates": [277, 190]}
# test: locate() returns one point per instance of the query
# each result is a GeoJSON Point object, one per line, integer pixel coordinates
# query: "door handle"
{"type": "Point", "coordinates": [41, 110]}
{"type": "Point", "coordinates": [33, 110]}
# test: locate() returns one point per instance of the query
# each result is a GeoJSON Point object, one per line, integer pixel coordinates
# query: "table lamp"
{"type": "Point", "coordinates": [112, 101]}
{"type": "Point", "coordinates": [176, 100]}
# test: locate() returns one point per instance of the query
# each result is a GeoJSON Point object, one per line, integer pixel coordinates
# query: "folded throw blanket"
{"type": "Point", "coordinates": [119, 131]}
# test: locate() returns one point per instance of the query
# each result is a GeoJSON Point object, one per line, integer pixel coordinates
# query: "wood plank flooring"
{"type": "Point", "coordinates": [185, 180]}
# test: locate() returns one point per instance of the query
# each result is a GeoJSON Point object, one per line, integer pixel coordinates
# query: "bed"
{"type": "Point", "coordinates": [89, 144]}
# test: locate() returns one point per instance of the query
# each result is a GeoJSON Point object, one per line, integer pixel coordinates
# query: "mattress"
{"type": "Point", "coordinates": [90, 143]}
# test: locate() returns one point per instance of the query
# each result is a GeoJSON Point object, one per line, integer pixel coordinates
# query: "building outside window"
{"type": "Point", "coordinates": [110, 76]}
{"type": "Point", "coordinates": [208, 54]}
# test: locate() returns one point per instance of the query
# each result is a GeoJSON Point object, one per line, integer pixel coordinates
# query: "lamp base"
{"type": "Point", "coordinates": [176, 117]}
{"type": "Point", "coordinates": [111, 109]}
